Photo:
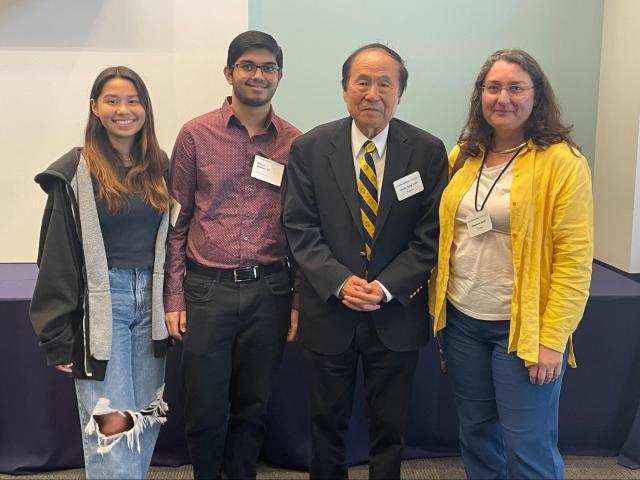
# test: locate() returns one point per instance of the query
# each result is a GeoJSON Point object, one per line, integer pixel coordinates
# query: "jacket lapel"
{"type": "Point", "coordinates": [341, 161]}
{"type": "Point", "coordinates": [395, 167]}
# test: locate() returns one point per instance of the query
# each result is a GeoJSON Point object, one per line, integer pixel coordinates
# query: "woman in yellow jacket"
{"type": "Point", "coordinates": [515, 255]}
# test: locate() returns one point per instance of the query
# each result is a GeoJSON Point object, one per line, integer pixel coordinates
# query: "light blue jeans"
{"type": "Point", "coordinates": [133, 384]}
{"type": "Point", "coordinates": [508, 426]}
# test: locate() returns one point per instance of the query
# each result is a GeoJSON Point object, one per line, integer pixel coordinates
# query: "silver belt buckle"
{"type": "Point", "coordinates": [241, 280]}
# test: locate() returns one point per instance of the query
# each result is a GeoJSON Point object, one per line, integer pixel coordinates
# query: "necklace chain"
{"type": "Point", "coordinates": [509, 150]}
{"type": "Point", "coordinates": [495, 182]}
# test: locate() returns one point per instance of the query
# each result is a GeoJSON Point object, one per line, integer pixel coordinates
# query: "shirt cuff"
{"type": "Point", "coordinates": [339, 289]}
{"type": "Point", "coordinates": [387, 295]}
{"type": "Point", "coordinates": [174, 302]}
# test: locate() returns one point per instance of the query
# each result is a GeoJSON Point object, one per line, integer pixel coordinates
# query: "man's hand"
{"type": "Point", "coordinates": [293, 326]}
{"type": "Point", "coordinates": [176, 323]}
{"type": "Point", "coordinates": [360, 295]}
{"type": "Point", "coordinates": [548, 368]}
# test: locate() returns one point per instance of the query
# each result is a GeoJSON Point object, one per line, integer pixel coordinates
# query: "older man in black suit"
{"type": "Point", "coordinates": [361, 217]}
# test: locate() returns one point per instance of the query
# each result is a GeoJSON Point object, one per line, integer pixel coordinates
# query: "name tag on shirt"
{"type": "Point", "coordinates": [174, 211]}
{"type": "Point", "coordinates": [479, 223]}
{"type": "Point", "coordinates": [267, 170]}
{"type": "Point", "coordinates": [408, 186]}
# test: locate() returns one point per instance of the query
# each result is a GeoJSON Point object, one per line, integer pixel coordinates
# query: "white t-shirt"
{"type": "Point", "coordinates": [481, 267]}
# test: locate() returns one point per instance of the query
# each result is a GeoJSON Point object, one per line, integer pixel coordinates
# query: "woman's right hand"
{"type": "Point", "coordinates": [549, 366]}
{"type": "Point", "coordinates": [64, 368]}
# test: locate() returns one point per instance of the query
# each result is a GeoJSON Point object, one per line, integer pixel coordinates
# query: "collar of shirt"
{"type": "Point", "coordinates": [273, 122]}
{"type": "Point", "coordinates": [358, 139]}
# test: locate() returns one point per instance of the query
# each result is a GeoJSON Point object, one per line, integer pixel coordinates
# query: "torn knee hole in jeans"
{"type": "Point", "coordinates": [112, 423]}
{"type": "Point", "coordinates": [154, 413]}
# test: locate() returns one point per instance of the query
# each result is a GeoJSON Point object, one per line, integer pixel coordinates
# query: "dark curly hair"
{"type": "Point", "coordinates": [544, 126]}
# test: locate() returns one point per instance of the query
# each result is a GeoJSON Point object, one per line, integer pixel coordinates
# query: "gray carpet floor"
{"type": "Point", "coordinates": [426, 468]}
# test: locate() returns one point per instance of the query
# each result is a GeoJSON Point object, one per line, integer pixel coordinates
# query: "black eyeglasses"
{"type": "Point", "coordinates": [250, 67]}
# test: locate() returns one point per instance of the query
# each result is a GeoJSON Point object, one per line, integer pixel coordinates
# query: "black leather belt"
{"type": "Point", "coordinates": [238, 275]}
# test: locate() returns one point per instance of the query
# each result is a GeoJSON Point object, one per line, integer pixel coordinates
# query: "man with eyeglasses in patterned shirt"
{"type": "Point", "coordinates": [228, 284]}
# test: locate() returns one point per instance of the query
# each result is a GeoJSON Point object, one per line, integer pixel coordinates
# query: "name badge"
{"type": "Point", "coordinates": [174, 211]}
{"type": "Point", "coordinates": [267, 170]}
{"type": "Point", "coordinates": [479, 223]}
{"type": "Point", "coordinates": [408, 186]}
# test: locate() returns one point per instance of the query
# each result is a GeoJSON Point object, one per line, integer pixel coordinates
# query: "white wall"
{"type": "Point", "coordinates": [617, 158]}
{"type": "Point", "coordinates": [50, 54]}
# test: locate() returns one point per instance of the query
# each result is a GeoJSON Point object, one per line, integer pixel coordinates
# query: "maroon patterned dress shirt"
{"type": "Point", "coordinates": [227, 219]}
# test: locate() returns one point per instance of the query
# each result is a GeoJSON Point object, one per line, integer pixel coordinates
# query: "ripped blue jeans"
{"type": "Point", "coordinates": [133, 385]}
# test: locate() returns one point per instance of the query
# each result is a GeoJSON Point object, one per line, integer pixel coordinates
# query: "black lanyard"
{"type": "Point", "coordinates": [484, 158]}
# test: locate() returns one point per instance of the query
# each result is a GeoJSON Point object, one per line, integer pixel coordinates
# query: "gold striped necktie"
{"type": "Point", "coordinates": [368, 190]}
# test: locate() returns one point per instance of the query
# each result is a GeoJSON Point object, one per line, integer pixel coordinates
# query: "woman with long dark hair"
{"type": "Point", "coordinates": [514, 266]}
{"type": "Point", "coordinates": [97, 305]}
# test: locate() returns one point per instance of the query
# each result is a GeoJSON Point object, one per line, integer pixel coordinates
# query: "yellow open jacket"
{"type": "Point", "coordinates": [552, 241]}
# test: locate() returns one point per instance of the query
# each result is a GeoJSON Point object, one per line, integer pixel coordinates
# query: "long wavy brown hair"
{"type": "Point", "coordinates": [104, 162]}
{"type": "Point", "coordinates": [544, 126]}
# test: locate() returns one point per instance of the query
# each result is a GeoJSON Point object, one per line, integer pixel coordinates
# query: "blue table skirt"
{"type": "Point", "coordinates": [39, 427]}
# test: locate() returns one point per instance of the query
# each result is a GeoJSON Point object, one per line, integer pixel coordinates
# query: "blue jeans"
{"type": "Point", "coordinates": [508, 426]}
{"type": "Point", "coordinates": [133, 384]}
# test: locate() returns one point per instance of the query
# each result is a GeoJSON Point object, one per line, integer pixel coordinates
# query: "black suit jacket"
{"type": "Point", "coordinates": [322, 222]}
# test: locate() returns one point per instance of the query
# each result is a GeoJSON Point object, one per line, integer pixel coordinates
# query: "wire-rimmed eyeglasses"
{"type": "Point", "coordinates": [514, 90]}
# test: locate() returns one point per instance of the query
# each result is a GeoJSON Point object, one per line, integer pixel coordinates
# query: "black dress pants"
{"type": "Point", "coordinates": [388, 379]}
{"type": "Point", "coordinates": [232, 348]}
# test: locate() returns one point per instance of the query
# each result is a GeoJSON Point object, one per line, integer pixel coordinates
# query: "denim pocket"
{"type": "Point", "coordinates": [280, 282]}
{"type": "Point", "coordinates": [198, 288]}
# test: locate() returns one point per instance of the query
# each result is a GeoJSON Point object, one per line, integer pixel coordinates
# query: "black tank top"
{"type": "Point", "coordinates": [130, 233]}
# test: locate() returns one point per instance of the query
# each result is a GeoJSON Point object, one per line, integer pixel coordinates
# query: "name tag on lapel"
{"type": "Point", "coordinates": [267, 170]}
{"type": "Point", "coordinates": [408, 186]}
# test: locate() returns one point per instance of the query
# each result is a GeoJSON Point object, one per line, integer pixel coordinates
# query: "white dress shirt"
{"type": "Point", "coordinates": [358, 139]}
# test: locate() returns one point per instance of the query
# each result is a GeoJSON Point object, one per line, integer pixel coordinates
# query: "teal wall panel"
{"type": "Point", "coordinates": [444, 43]}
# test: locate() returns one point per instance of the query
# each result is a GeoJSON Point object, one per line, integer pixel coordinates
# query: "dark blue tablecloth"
{"type": "Point", "coordinates": [39, 427]}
